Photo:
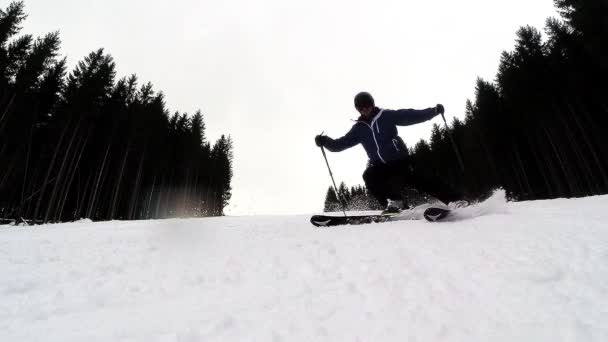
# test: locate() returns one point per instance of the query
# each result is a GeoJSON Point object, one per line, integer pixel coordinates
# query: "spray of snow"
{"type": "Point", "coordinates": [495, 204]}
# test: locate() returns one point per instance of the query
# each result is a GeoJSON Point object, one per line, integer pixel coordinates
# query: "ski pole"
{"type": "Point", "coordinates": [333, 181]}
{"type": "Point", "coordinates": [453, 144]}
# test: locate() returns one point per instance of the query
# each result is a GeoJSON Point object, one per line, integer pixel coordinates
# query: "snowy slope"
{"type": "Point", "coordinates": [531, 271]}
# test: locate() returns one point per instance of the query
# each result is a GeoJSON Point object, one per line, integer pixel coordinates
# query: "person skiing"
{"type": "Point", "coordinates": [390, 166]}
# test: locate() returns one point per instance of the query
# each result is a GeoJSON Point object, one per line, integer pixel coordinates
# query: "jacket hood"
{"type": "Point", "coordinates": [363, 119]}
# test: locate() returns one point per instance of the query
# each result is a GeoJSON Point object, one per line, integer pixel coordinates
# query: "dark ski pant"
{"type": "Point", "coordinates": [385, 181]}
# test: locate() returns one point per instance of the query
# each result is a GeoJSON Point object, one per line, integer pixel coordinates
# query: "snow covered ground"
{"type": "Point", "coordinates": [530, 271]}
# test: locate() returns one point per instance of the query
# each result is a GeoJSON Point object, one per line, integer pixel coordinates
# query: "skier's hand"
{"type": "Point", "coordinates": [439, 109]}
{"type": "Point", "coordinates": [321, 140]}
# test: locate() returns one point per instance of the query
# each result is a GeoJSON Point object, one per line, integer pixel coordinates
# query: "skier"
{"type": "Point", "coordinates": [390, 166]}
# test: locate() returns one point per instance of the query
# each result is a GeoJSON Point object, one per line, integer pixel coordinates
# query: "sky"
{"type": "Point", "coordinates": [274, 73]}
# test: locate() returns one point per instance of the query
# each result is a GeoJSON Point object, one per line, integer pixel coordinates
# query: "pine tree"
{"type": "Point", "coordinates": [331, 200]}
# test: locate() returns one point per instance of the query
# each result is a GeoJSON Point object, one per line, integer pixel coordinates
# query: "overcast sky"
{"type": "Point", "coordinates": [274, 73]}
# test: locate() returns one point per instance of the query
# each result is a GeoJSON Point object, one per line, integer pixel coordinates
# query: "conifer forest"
{"type": "Point", "coordinates": [84, 143]}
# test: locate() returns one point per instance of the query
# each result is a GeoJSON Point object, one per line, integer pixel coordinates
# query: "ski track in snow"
{"type": "Point", "coordinates": [528, 271]}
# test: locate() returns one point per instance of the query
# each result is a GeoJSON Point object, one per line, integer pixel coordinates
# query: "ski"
{"type": "Point", "coordinates": [431, 214]}
{"type": "Point", "coordinates": [434, 214]}
{"type": "Point", "coordinates": [329, 221]}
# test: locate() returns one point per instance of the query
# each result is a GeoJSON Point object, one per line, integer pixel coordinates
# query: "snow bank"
{"type": "Point", "coordinates": [529, 271]}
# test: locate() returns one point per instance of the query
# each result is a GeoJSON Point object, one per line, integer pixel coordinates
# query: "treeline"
{"type": "Point", "coordinates": [353, 198]}
{"type": "Point", "coordinates": [86, 145]}
{"type": "Point", "coordinates": [357, 198]}
{"type": "Point", "coordinates": [539, 130]}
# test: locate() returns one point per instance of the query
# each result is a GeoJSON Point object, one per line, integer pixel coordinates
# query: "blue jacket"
{"type": "Point", "coordinates": [379, 137]}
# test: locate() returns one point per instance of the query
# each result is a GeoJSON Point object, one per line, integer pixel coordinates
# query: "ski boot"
{"type": "Point", "coordinates": [393, 208]}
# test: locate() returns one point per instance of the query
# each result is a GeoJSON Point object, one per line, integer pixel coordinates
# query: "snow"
{"type": "Point", "coordinates": [528, 271]}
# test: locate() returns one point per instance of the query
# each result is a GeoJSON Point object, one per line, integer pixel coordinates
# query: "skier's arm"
{"type": "Point", "coordinates": [349, 140]}
{"type": "Point", "coordinates": [406, 117]}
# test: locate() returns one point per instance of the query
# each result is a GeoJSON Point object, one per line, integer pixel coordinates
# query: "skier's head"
{"type": "Point", "coordinates": [364, 102]}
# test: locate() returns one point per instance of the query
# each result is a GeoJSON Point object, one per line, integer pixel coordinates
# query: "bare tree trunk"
{"type": "Point", "coordinates": [48, 173]}
{"type": "Point", "coordinates": [135, 191]}
{"type": "Point", "coordinates": [559, 159]}
{"type": "Point", "coordinates": [2, 151]}
{"type": "Point", "coordinates": [81, 197]}
{"type": "Point", "coordinates": [5, 113]}
{"type": "Point", "coordinates": [552, 167]}
{"type": "Point", "coordinates": [118, 181]}
{"type": "Point", "coordinates": [26, 171]}
{"type": "Point", "coordinates": [583, 163]}
{"type": "Point", "coordinates": [209, 195]}
{"type": "Point", "coordinates": [30, 189]}
{"type": "Point", "coordinates": [148, 216]}
{"type": "Point", "coordinates": [63, 187]}
{"type": "Point", "coordinates": [71, 177]}
{"type": "Point", "coordinates": [542, 169]}
{"type": "Point", "coordinates": [523, 172]}
{"type": "Point", "coordinates": [195, 196]}
{"type": "Point", "coordinates": [169, 198]}
{"type": "Point", "coordinates": [96, 188]}
{"type": "Point", "coordinates": [489, 158]}
{"type": "Point", "coordinates": [9, 170]}
{"type": "Point", "coordinates": [590, 147]}
{"type": "Point", "coordinates": [60, 176]}
{"type": "Point", "coordinates": [216, 204]}
{"type": "Point", "coordinates": [516, 178]}
{"type": "Point", "coordinates": [161, 190]}
{"type": "Point", "coordinates": [185, 194]}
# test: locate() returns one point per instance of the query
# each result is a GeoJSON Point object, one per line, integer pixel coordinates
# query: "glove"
{"type": "Point", "coordinates": [321, 140]}
{"type": "Point", "coordinates": [439, 109]}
